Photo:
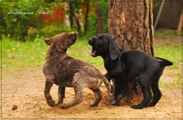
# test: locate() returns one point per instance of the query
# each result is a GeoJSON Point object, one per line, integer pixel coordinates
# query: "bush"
{"type": "Point", "coordinates": [18, 16]}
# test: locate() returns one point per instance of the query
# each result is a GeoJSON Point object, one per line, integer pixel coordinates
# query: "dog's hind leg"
{"type": "Point", "coordinates": [78, 89]}
{"type": "Point", "coordinates": [61, 95]}
{"type": "Point", "coordinates": [157, 93]}
{"type": "Point", "coordinates": [145, 85]}
{"type": "Point", "coordinates": [47, 95]}
{"type": "Point", "coordinates": [98, 96]}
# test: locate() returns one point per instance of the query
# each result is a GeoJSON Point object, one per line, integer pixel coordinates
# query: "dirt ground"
{"type": "Point", "coordinates": [24, 89]}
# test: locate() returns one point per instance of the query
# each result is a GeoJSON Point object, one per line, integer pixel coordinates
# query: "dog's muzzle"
{"type": "Point", "coordinates": [90, 41]}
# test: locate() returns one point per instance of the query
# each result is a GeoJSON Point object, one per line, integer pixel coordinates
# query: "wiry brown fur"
{"type": "Point", "coordinates": [66, 71]}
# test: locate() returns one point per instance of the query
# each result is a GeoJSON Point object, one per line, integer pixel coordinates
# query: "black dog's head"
{"type": "Point", "coordinates": [102, 45]}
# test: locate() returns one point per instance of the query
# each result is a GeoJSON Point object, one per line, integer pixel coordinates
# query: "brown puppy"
{"type": "Point", "coordinates": [66, 71]}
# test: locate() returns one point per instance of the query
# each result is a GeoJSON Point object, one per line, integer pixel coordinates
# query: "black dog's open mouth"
{"type": "Point", "coordinates": [94, 51]}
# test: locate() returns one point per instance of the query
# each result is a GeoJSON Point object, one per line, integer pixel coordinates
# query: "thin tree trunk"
{"type": "Point", "coordinates": [180, 25]}
{"type": "Point", "coordinates": [99, 18]}
{"type": "Point", "coordinates": [77, 23]}
{"type": "Point", "coordinates": [70, 14]}
{"type": "Point", "coordinates": [130, 23]}
{"type": "Point", "coordinates": [86, 16]}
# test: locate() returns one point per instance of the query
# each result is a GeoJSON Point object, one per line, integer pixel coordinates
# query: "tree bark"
{"type": "Point", "coordinates": [71, 14]}
{"type": "Point", "coordinates": [99, 18]}
{"type": "Point", "coordinates": [86, 16]}
{"type": "Point", "coordinates": [130, 23]}
{"type": "Point", "coordinates": [180, 25]}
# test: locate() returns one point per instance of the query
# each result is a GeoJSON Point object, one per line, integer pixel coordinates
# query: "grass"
{"type": "Point", "coordinates": [18, 55]}
{"type": "Point", "coordinates": [165, 32]}
{"type": "Point", "coordinates": [172, 52]}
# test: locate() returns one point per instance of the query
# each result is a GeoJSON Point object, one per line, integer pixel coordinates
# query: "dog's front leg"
{"type": "Point", "coordinates": [117, 93]}
{"type": "Point", "coordinates": [108, 76]}
{"type": "Point", "coordinates": [47, 95]}
{"type": "Point", "coordinates": [61, 95]}
{"type": "Point", "coordinates": [112, 73]}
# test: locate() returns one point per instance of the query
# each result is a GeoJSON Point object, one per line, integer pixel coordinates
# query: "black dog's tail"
{"type": "Point", "coordinates": [164, 62]}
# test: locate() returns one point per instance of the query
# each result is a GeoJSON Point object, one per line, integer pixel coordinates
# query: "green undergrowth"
{"type": "Point", "coordinates": [18, 55]}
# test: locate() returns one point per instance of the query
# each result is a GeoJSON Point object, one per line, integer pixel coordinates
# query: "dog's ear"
{"type": "Point", "coordinates": [48, 41]}
{"type": "Point", "coordinates": [113, 50]}
{"type": "Point", "coordinates": [73, 35]}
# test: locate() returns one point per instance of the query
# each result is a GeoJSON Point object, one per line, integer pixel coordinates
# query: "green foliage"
{"type": "Point", "coordinates": [48, 31]}
{"type": "Point", "coordinates": [92, 27]}
{"type": "Point", "coordinates": [17, 17]}
{"type": "Point", "coordinates": [104, 12]}
{"type": "Point", "coordinates": [21, 20]}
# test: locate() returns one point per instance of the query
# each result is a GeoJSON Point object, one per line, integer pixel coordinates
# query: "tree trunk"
{"type": "Point", "coordinates": [86, 16]}
{"type": "Point", "coordinates": [99, 18]}
{"type": "Point", "coordinates": [71, 14]}
{"type": "Point", "coordinates": [130, 23]}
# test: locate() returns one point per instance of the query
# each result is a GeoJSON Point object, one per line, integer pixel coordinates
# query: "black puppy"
{"type": "Point", "coordinates": [125, 66]}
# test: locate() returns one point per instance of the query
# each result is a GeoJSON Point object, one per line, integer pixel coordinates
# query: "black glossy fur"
{"type": "Point", "coordinates": [125, 66]}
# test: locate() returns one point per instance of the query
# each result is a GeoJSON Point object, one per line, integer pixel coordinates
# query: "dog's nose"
{"type": "Point", "coordinates": [90, 39]}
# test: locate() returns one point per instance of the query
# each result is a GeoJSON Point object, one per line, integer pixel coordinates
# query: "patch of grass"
{"type": "Point", "coordinates": [168, 86]}
{"type": "Point", "coordinates": [172, 52]}
{"type": "Point", "coordinates": [19, 55]}
{"type": "Point", "coordinates": [164, 32]}
{"type": "Point", "coordinates": [81, 50]}
{"type": "Point", "coordinates": [178, 80]}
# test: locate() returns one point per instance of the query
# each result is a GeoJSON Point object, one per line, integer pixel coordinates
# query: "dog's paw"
{"type": "Point", "coordinates": [63, 106]}
{"type": "Point", "coordinates": [151, 104]}
{"type": "Point", "coordinates": [58, 103]}
{"type": "Point", "coordinates": [114, 103]}
{"type": "Point", "coordinates": [51, 103]}
{"type": "Point", "coordinates": [136, 107]}
{"type": "Point", "coordinates": [93, 105]}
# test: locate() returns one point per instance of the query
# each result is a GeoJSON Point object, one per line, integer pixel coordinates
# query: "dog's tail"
{"type": "Point", "coordinates": [164, 62]}
{"type": "Point", "coordinates": [108, 86]}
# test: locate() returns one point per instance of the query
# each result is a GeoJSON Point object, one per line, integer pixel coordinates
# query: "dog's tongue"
{"type": "Point", "coordinates": [93, 53]}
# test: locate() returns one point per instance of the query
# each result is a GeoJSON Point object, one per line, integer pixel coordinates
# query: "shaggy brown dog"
{"type": "Point", "coordinates": [66, 71]}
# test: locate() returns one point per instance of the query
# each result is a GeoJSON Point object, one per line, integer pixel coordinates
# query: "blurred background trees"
{"type": "Point", "coordinates": [28, 19]}
{"type": "Point", "coordinates": [18, 17]}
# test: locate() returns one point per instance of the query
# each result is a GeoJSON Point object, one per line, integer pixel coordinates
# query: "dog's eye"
{"type": "Point", "coordinates": [99, 37]}
{"type": "Point", "coordinates": [100, 41]}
